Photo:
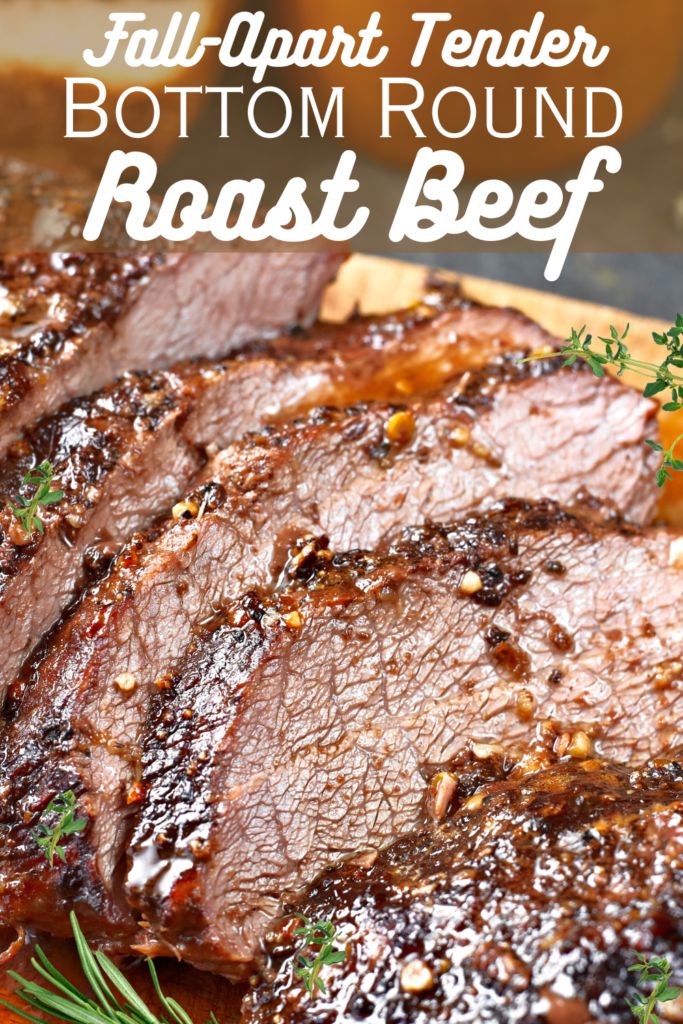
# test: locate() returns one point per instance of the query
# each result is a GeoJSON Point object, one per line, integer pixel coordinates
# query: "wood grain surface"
{"type": "Point", "coordinates": [374, 285]}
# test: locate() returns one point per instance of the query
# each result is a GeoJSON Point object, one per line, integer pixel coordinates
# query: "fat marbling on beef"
{"type": "Point", "coordinates": [125, 454]}
{"type": "Point", "coordinates": [527, 905]}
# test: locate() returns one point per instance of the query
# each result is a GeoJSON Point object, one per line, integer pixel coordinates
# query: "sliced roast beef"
{"type": "Point", "coordinates": [354, 475]}
{"type": "Point", "coordinates": [70, 324]}
{"type": "Point", "coordinates": [284, 711]}
{"type": "Point", "coordinates": [298, 729]}
{"type": "Point", "coordinates": [528, 905]}
{"type": "Point", "coordinates": [124, 455]}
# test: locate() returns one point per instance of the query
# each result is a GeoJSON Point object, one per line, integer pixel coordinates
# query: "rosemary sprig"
{"type": "Point", "coordinates": [320, 936]}
{"type": "Point", "coordinates": [27, 508]}
{"type": "Point", "coordinates": [65, 1002]}
{"type": "Point", "coordinates": [61, 822]}
{"type": "Point", "coordinates": [656, 972]}
{"type": "Point", "coordinates": [660, 377]}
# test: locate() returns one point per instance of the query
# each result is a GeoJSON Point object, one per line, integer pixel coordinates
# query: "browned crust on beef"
{"type": "Point", "coordinates": [527, 905]}
{"type": "Point", "coordinates": [126, 453]}
{"type": "Point", "coordinates": [69, 324]}
{"type": "Point", "coordinates": [50, 301]}
{"type": "Point", "coordinates": [333, 473]}
{"type": "Point", "coordinates": [367, 669]}
{"type": "Point", "coordinates": [41, 209]}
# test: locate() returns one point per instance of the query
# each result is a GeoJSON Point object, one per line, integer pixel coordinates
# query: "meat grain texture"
{"type": "Point", "coordinates": [70, 324]}
{"type": "Point", "coordinates": [365, 669]}
{"type": "Point", "coordinates": [259, 687]}
{"type": "Point", "coordinates": [527, 905]}
{"type": "Point", "coordinates": [124, 455]}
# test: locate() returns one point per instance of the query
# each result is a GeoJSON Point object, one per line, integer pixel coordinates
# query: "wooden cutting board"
{"type": "Point", "coordinates": [375, 285]}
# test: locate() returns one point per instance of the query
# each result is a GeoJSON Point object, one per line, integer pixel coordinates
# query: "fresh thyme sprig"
{"type": "Point", "coordinates": [318, 935]}
{"type": "Point", "coordinates": [656, 972]}
{"type": "Point", "coordinates": [27, 508]}
{"type": "Point", "coordinates": [669, 461]}
{"type": "Point", "coordinates": [61, 822]}
{"type": "Point", "coordinates": [661, 377]}
{"type": "Point", "coordinates": [67, 1003]}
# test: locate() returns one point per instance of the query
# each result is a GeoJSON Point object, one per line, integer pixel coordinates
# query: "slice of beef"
{"type": "Point", "coordinates": [297, 730]}
{"type": "Point", "coordinates": [354, 475]}
{"type": "Point", "coordinates": [437, 338]}
{"type": "Point", "coordinates": [70, 324]}
{"type": "Point", "coordinates": [128, 452]}
{"type": "Point", "coordinates": [245, 793]}
{"type": "Point", "coordinates": [108, 450]}
{"type": "Point", "coordinates": [528, 905]}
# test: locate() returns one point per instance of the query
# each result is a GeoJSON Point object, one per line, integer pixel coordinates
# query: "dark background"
{"type": "Point", "coordinates": [649, 284]}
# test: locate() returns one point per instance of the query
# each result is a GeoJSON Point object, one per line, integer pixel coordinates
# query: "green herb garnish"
{"type": "Point", "coordinates": [656, 972]}
{"type": "Point", "coordinates": [661, 377]}
{"type": "Point", "coordinates": [669, 461]}
{"type": "Point", "coordinates": [60, 822]}
{"type": "Point", "coordinates": [67, 1003]}
{"type": "Point", "coordinates": [27, 508]}
{"type": "Point", "coordinates": [318, 935]}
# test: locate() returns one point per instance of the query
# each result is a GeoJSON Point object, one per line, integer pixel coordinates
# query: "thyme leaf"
{"type": "Point", "coordinates": [613, 351]}
{"type": "Point", "coordinates": [115, 1000]}
{"type": "Point", "coordinates": [657, 973]}
{"type": "Point", "coordinates": [27, 508]}
{"type": "Point", "coordinates": [60, 821]}
{"type": "Point", "coordinates": [319, 938]}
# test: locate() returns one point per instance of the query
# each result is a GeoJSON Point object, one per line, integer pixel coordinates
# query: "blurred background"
{"type": "Point", "coordinates": [639, 213]}
{"type": "Point", "coordinates": [647, 283]}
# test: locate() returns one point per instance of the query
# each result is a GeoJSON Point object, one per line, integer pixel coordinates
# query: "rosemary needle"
{"type": "Point", "coordinates": [65, 1002]}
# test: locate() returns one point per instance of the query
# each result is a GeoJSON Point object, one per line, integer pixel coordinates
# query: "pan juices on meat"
{"type": "Point", "coordinates": [121, 456]}
{"type": "Point", "coordinates": [526, 903]}
{"type": "Point", "coordinates": [83, 715]}
{"type": "Point", "coordinates": [262, 686]}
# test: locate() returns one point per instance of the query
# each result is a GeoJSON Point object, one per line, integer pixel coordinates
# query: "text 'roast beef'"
{"type": "Point", "coordinates": [125, 454]}
{"type": "Point", "coordinates": [70, 324]}
{"type": "Point", "coordinates": [528, 905]}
